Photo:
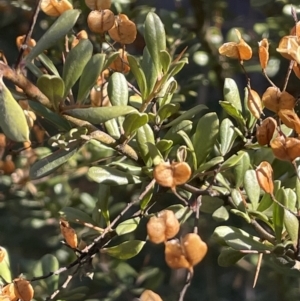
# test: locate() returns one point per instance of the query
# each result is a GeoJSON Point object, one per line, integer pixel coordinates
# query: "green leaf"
{"type": "Point", "coordinates": [111, 176]}
{"type": "Point", "coordinates": [5, 268]}
{"type": "Point", "coordinates": [59, 29]}
{"type": "Point", "coordinates": [252, 187]}
{"type": "Point", "coordinates": [242, 214]}
{"type": "Point", "coordinates": [125, 250]}
{"type": "Point", "coordinates": [209, 164]}
{"type": "Point", "coordinates": [240, 169]}
{"type": "Point", "coordinates": [53, 87]}
{"type": "Point", "coordinates": [49, 164]}
{"type": "Point", "coordinates": [155, 38]}
{"type": "Point", "coordinates": [233, 160]}
{"type": "Point", "coordinates": [154, 153]}
{"type": "Point", "coordinates": [238, 200]}
{"type": "Point", "coordinates": [278, 214]}
{"type": "Point", "coordinates": [231, 94]}
{"type": "Point", "coordinates": [117, 89]}
{"type": "Point", "coordinates": [210, 204]}
{"type": "Point", "coordinates": [172, 134]}
{"type": "Point", "coordinates": [110, 59]}
{"type": "Point", "coordinates": [167, 110]}
{"type": "Point", "coordinates": [138, 74]}
{"type": "Point", "coordinates": [128, 226]}
{"type": "Point", "coordinates": [144, 135]}
{"type": "Point", "coordinates": [48, 64]}
{"type": "Point", "coordinates": [134, 121]}
{"type": "Point", "coordinates": [12, 121]}
{"type": "Point", "coordinates": [221, 214]}
{"type": "Point", "coordinates": [75, 215]}
{"type": "Point", "coordinates": [291, 224]}
{"type": "Point", "coordinates": [100, 114]}
{"type": "Point", "coordinates": [227, 136]}
{"type": "Point", "coordinates": [102, 203]}
{"type": "Point", "coordinates": [164, 145]}
{"type": "Point", "coordinates": [266, 201]}
{"type": "Point", "coordinates": [75, 62]}
{"type": "Point", "coordinates": [176, 67]}
{"type": "Point", "coordinates": [89, 76]}
{"type": "Point", "coordinates": [112, 128]}
{"type": "Point", "coordinates": [233, 112]}
{"type": "Point", "coordinates": [229, 257]}
{"type": "Point", "coordinates": [147, 197]}
{"type": "Point", "coordinates": [205, 136]}
{"type": "Point", "coordinates": [165, 60]}
{"type": "Point", "coordinates": [49, 263]}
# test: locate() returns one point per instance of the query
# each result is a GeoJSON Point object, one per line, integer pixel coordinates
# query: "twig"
{"type": "Point", "coordinates": [197, 211]}
{"type": "Point", "coordinates": [187, 284]}
{"type": "Point", "coordinates": [288, 75]}
{"type": "Point", "coordinates": [260, 256]}
{"type": "Point", "coordinates": [263, 233]}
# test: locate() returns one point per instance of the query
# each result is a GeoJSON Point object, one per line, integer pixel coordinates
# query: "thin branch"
{"type": "Point", "coordinates": [288, 75]}
{"type": "Point", "coordinates": [263, 233]}
{"type": "Point", "coordinates": [189, 278]}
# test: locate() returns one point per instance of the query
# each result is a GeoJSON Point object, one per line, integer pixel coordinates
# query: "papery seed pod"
{"type": "Point", "coordinates": [265, 132]}
{"type": "Point", "coordinates": [120, 64]}
{"type": "Point", "coordinates": [100, 21]}
{"type": "Point", "coordinates": [290, 119]}
{"type": "Point", "coordinates": [7, 166]}
{"type": "Point", "coordinates": [10, 291]}
{"type": "Point", "coordinates": [23, 288]}
{"type": "Point", "coordinates": [124, 31]}
{"type": "Point", "coordinates": [4, 298]}
{"type": "Point", "coordinates": [194, 248]}
{"type": "Point", "coordinates": [174, 255]}
{"type": "Point", "coordinates": [171, 223]}
{"type": "Point", "coordinates": [293, 148]}
{"type": "Point", "coordinates": [98, 4]}
{"type": "Point", "coordinates": [263, 53]}
{"type": "Point", "coordinates": [20, 40]}
{"type": "Point", "coordinates": [286, 148]}
{"type": "Point", "coordinates": [69, 234]}
{"type": "Point", "coordinates": [55, 8]}
{"type": "Point", "coordinates": [81, 35]}
{"type": "Point", "coordinates": [289, 48]}
{"type": "Point", "coordinates": [254, 104]}
{"type": "Point", "coordinates": [2, 141]}
{"type": "Point", "coordinates": [172, 174]}
{"type": "Point", "coordinates": [156, 228]}
{"type": "Point", "coordinates": [30, 118]}
{"type": "Point", "coordinates": [264, 175]}
{"type": "Point", "coordinates": [287, 101]}
{"type": "Point", "coordinates": [99, 96]}
{"type": "Point", "coordinates": [149, 295]}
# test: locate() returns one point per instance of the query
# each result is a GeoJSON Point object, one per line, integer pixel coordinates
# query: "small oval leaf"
{"type": "Point", "coordinates": [125, 250]}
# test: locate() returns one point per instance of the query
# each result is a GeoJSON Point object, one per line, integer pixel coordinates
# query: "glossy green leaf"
{"type": "Point", "coordinates": [211, 163]}
{"type": "Point", "coordinates": [266, 201]}
{"type": "Point", "coordinates": [167, 110]}
{"type": "Point", "coordinates": [242, 214]}
{"type": "Point", "coordinates": [49, 263]}
{"type": "Point", "coordinates": [125, 250]}
{"type": "Point", "coordinates": [155, 38]}
{"type": "Point", "coordinates": [128, 226]}
{"type": "Point", "coordinates": [53, 87]}
{"type": "Point", "coordinates": [205, 136]}
{"type": "Point", "coordinates": [144, 135]}
{"type": "Point", "coordinates": [290, 199]}
{"type": "Point", "coordinates": [13, 121]}
{"type": "Point", "coordinates": [154, 153]}
{"type": "Point", "coordinates": [43, 58]}
{"type": "Point", "coordinates": [233, 160]}
{"type": "Point", "coordinates": [210, 204]}
{"type": "Point", "coordinates": [227, 136]}
{"type": "Point", "coordinates": [102, 203]}
{"type": "Point", "coordinates": [221, 214]}
{"type": "Point", "coordinates": [165, 60]}
{"type": "Point", "coordinates": [100, 114]}
{"type": "Point", "coordinates": [231, 93]}
{"type": "Point", "coordinates": [252, 187]}
{"type": "Point", "coordinates": [76, 216]}
{"type": "Point", "coordinates": [238, 200]}
{"type": "Point", "coordinates": [49, 164]}
{"type": "Point", "coordinates": [132, 169]}
{"type": "Point", "coordinates": [5, 268]}
{"type": "Point", "coordinates": [112, 128]}
{"type": "Point", "coordinates": [176, 67]}
{"type": "Point", "coordinates": [75, 62]}
{"type": "Point", "coordinates": [297, 190]}
{"type": "Point", "coordinates": [233, 112]}
{"type": "Point", "coordinates": [117, 89]}
{"type": "Point", "coordinates": [89, 76]}
{"type": "Point", "coordinates": [59, 29]}
{"type": "Point", "coordinates": [147, 197]}
{"type": "Point", "coordinates": [291, 224]}
{"type": "Point", "coordinates": [164, 145]}
{"type": "Point", "coordinates": [138, 74]}
{"type": "Point", "coordinates": [134, 121]}
{"type": "Point", "coordinates": [278, 214]}
{"type": "Point", "coordinates": [111, 176]}
{"type": "Point", "coordinates": [111, 57]}
{"type": "Point", "coordinates": [240, 169]}
{"type": "Point", "coordinates": [172, 134]}
{"type": "Point", "coordinates": [229, 257]}
{"type": "Point", "coordinates": [186, 115]}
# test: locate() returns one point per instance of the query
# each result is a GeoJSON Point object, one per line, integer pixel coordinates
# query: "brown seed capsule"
{"type": "Point", "coordinates": [100, 21]}
{"type": "Point", "coordinates": [265, 132]}
{"type": "Point", "coordinates": [10, 291]}
{"type": "Point", "coordinates": [23, 288]}
{"type": "Point", "coordinates": [55, 8]}
{"type": "Point", "coordinates": [263, 53]}
{"type": "Point", "coordinates": [264, 175]}
{"type": "Point", "coordinates": [289, 48]}
{"type": "Point", "coordinates": [4, 298]}
{"type": "Point", "coordinates": [30, 44]}
{"type": "Point", "coordinates": [98, 4]}
{"type": "Point", "coordinates": [81, 35]}
{"type": "Point", "coordinates": [7, 166]}
{"type": "Point", "coordinates": [124, 31]}
{"type": "Point", "coordinates": [148, 295]}
{"type": "Point", "coordinates": [120, 64]}
{"type": "Point", "coordinates": [171, 222]}
{"type": "Point", "coordinates": [174, 255]}
{"type": "Point", "coordinates": [156, 228]}
{"type": "Point", "coordinates": [286, 148]}
{"type": "Point", "coordinates": [69, 234]}
{"type": "Point", "coordinates": [194, 248]}
{"type": "Point", "coordinates": [254, 104]}
{"type": "Point", "coordinates": [290, 119]}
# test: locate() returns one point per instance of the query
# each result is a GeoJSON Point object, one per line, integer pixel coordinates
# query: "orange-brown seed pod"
{"type": "Point", "coordinates": [149, 295]}
{"type": "Point", "coordinates": [55, 8]}
{"type": "Point", "coordinates": [10, 291]}
{"type": "Point", "coordinates": [286, 149]}
{"type": "Point", "coordinates": [2, 141]}
{"type": "Point", "coordinates": [265, 132]}
{"type": "Point", "coordinates": [263, 53]}
{"type": "Point", "coordinates": [69, 234]}
{"type": "Point", "coordinates": [100, 21]}
{"type": "Point", "coordinates": [23, 288]}
{"type": "Point", "coordinates": [156, 228]}
{"type": "Point", "coordinates": [174, 255]}
{"type": "Point", "coordinates": [289, 48]}
{"type": "Point", "coordinates": [98, 4]}
{"type": "Point", "coordinates": [81, 35]}
{"type": "Point", "coordinates": [290, 119]}
{"type": "Point", "coordinates": [194, 248]}
{"type": "Point", "coordinates": [120, 64]}
{"type": "Point", "coordinates": [264, 175]}
{"type": "Point", "coordinates": [7, 166]}
{"type": "Point", "coordinates": [4, 298]}
{"type": "Point", "coordinates": [20, 40]}
{"type": "Point", "coordinates": [171, 222]}
{"type": "Point", "coordinates": [254, 103]}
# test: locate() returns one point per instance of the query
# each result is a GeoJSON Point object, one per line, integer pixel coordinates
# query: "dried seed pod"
{"type": "Point", "coordinates": [100, 21]}
{"type": "Point", "coordinates": [263, 53]}
{"type": "Point", "coordinates": [156, 228]}
{"type": "Point", "coordinates": [7, 166]}
{"type": "Point", "coordinates": [30, 44]}
{"type": "Point", "coordinates": [69, 234]}
{"type": "Point", "coordinates": [30, 118]}
{"type": "Point", "coordinates": [10, 291]}
{"type": "Point", "coordinates": [174, 255]}
{"type": "Point", "coordinates": [289, 48]}
{"type": "Point", "coordinates": [172, 174]}
{"type": "Point", "coordinates": [23, 288]}
{"type": "Point", "coordinates": [81, 35]}
{"type": "Point", "coordinates": [120, 64]}
{"type": "Point", "coordinates": [124, 31]}
{"type": "Point", "coordinates": [55, 8]}
{"type": "Point", "coordinates": [290, 119]}
{"type": "Point", "coordinates": [4, 298]}
{"type": "Point", "coordinates": [149, 295]}
{"type": "Point", "coordinates": [99, 96]}
{"type": "Point", "coordinates": [194, 248]}
{"type": "Point", "coordinates": [171, 222]}
{"type": "Point", "coordinates": [286, 148]}
{"type": "Point", "coordinates": [98, 4]}
{"type": "Point", "coordinates": [264, 175]}
{"type": "Point", "coordinates": [2, 254]}
{"type": "Point", "coordinates": [265, 132]}
{"type": "Point", "coordinates": [2, 141]}
{"type": "Point", "coordinates": [254, 104]}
